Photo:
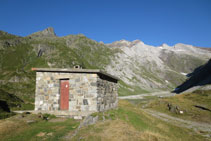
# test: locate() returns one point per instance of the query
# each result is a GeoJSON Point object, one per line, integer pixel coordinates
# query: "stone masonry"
{"type": "Point", "coordinates": [89, 90]}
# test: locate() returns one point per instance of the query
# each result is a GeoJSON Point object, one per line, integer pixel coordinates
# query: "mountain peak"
{"type": "Point", "coordinates": [125, 43]}
{"type": "Point", "coordinates": [137, 42]}
{"type": "Point", "coordinates": [165, 45]}
{"type": "Point", "coordinates": [120, 43]}
{"type": "Point", "coordinates": [48, 32]}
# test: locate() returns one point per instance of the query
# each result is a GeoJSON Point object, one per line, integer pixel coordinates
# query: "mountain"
{"type": "Point", "coordinates": [142, 68]}
{"type": "Point", "coordinates": [199, 77]}
{"type": "Point", "coordinates": [154, 68]}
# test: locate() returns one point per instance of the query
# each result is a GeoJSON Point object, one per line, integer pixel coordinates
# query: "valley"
{"type": "Point", "coordinates": [150, 77]}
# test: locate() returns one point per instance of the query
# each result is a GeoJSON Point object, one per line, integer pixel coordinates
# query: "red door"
{"type": "Point", "coordinates": [64, 94]}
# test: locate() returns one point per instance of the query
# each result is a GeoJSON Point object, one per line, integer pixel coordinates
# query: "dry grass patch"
{"type": "Point", "coordinates": [7, 126]}
{"type": "Point", "coordinates": [17, 123]}
{"type": "Point", "coordinates": [110, 130]}
{"type": "Point", "coordinates": [19, 128]}
{"type": "Point", "coordinates": [163, 127]}
{"type": "Point", "coordinates": [153, 136]}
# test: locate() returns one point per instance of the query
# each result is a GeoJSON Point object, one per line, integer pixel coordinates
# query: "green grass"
{"type": "Point", "coordinates": [141, 102]}
{"type": "Point", "coordinates": [11, 99]}
{"type": "Point", "coordinates": [25, 106]}
{"type": "Point", "coordinates": [133, 118]}
{"type": "Point", "coordinates": [186, 103]}
{"type": "Point", "coordinates": [53, 131]}
{"type": "Point", "coordinates": [4, 114]}
{"type": "Point", "coordinates": [125, 90]}
{"type": "Point", "coordinates": [202, 97]}
{"type": "Point", "coordinates": [129, 122]}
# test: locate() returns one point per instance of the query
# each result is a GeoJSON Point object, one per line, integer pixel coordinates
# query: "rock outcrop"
{"type": "Point", "coordinates": [48, 32]}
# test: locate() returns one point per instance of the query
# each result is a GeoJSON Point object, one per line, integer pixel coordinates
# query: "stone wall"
{"type": "Point", "coordinates": [82, 91]}
{"type": "Point", "coordinates": [107, 93]}
{"type": "Point", "coordinates": [88, 92]}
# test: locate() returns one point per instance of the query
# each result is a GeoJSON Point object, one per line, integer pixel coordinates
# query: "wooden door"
{"type": "Point", "coordinates": [64, 94]}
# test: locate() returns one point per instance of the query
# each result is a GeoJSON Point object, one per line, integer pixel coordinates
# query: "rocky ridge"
{"type": "Point", "coordinates": [150, 67]}
{"type": "Point", "coordinates": [48, 32]}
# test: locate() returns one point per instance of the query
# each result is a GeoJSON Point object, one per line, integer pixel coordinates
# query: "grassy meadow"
{"type": "Point", "coordinates": [128, 122]}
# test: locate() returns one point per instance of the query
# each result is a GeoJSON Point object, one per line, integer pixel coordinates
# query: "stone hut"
{"type": "Point", "coordinates": [74, 92]}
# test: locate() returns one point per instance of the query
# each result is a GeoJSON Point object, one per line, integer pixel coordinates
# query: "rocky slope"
{"type": "Point", "coordinates": [152, 68]}
{"type": "Point", "coordinates": [141, 67]}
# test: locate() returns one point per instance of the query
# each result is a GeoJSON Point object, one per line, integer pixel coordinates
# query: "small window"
{"type": "Point", "coordinates": [85, 102]}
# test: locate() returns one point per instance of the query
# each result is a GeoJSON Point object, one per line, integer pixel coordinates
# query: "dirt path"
{"type": "Point", "coordinates": [198, 127]}
{"type": "Point", "coordinates": [141, 96]}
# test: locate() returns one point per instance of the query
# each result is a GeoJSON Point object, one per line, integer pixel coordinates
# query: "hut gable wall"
{"type": "Point", "coordinates": [107, 90]}
{"type": "Point", "coordinates": [82, 91]}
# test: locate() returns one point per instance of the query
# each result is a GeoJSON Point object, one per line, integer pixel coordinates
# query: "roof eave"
{"type": "Point", "coordinates": [74, 71]}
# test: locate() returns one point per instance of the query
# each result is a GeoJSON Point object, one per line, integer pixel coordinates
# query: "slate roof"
{"type": "Point", "coordinates": [97, 71]}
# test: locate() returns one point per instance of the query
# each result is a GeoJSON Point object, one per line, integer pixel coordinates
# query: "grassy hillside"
{"type": "Point", "coordinates": [19, 54]}
{"type": "Point", "coordinates": [199, 77]}
{"type": "Point", "coordinates": [8, 102]}
{"type": "Point", "coordinates": [196, 106]}
{"type": "Point", "coordinates": [181, 62]}
{"type": "Point", "coordinates": [128, 122]}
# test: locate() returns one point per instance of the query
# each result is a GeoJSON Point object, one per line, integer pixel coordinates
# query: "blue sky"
{"type": "Point", "coordinates": [153, 21]}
